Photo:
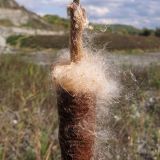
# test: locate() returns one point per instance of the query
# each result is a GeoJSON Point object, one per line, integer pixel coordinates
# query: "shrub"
{"type": "Point", "coordinates": [58, 21]}
{"type": "Point", "coordinates": [14, 39]}
{"type": "Point", "coordinates": [157, 32]}
{"type": "Point", "coordinates": [39, 41]}
{"type": "Point", "coordinates": [146, 32]}
{"type": "Point", "coordinates": [57, 42]}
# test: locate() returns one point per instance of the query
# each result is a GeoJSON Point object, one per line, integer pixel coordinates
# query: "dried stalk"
{"type": "Point", "coordinates": [37, 144]}
{"type": "Point", "coordinates": [78, 19]}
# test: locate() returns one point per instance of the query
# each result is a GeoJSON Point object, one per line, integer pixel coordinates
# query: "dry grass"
{"type": "Point", "coordinates": [111, 41]}
{"type": "Point", "coordinates": [126, 42]}
{"type": "Point", "coordinates": [27, 111]}
{"type": "Point", "coordinates": [28, 115]}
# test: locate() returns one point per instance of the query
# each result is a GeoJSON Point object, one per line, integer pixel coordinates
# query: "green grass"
{"type": "Point", "coordinates": [39, 42]}
{"type": "Point", "coordinates": [154, 73]}
{"type": "Point", "coordinates": [15, 39]}
{"type": "Point", "coordinates": [57, 22]}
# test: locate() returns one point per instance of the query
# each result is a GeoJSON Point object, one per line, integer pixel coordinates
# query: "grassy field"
{"type": "Point", "coordinates": [127, 42]}
{"type": "Point", "coordinates": [28, 114]}
{"type": "Point", "coordinates": [135, 119]}
{"type": "Point", "coordinates": [27, 110]}
{"type": "Point", "coordinates": [109, 41]}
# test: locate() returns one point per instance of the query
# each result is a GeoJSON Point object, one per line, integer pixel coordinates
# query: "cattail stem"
{"type": "Point", "coordinates": [77, 26]}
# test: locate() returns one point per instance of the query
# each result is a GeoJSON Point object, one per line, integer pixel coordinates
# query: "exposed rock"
{"type": "Point", "coordinates": [2, 43]}
{"type": "Point", "coordinates": [20, 21]}
{"type": "Point", "coordinates": [17, 17]}
{"type": "Point", "coordinates": [8, 4]}
{"type": "Point", "coordinates": [8, 31]}
{"type": "Point", "coordinates": [11, 11]}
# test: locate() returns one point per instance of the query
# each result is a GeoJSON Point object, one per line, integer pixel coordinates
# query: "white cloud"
{"type": "Point", "coordinates": [144, 13]}
{"type": "Point", "coordinates": [98, 11]}
{"type": "Point", "coordinates": [45, 2]}
{"type": "Point", "coordinates": [56, 2]}
{"type": "Point", "coordinates": [105, 21]}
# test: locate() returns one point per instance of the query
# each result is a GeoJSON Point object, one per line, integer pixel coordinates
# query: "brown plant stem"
{"type": "Point", "coordinates": [77, 27]}
{"type": "Point", "coordinates": [37, 144]}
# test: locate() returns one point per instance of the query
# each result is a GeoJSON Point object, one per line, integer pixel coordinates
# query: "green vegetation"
{"type": "Point", "coordinates": [154, 72]}
{"type": "Point", "coordinates": [27, 110]}
{"type": "Point", "coordinates": [117, 28]}
{"type": "Point", "coordinates": [111, 41]}
{"type": "Point", "coordinates": [28, 114]}
{"type": "Point", "coordinates": [146, 32]}
{"type": "Point", "coordinates": [37, 24]}
{"type": "Point", "coordinates": [157, 32]}
{"type": "Point", "coordinates": [126, 42]}
{"type": "Point", "coordinates": [136, 116]}
{"type": "Point", "coordinates": [15, 39]}
{"type": "Point", "coordinates": [124, 29]}
{"type": "Point", "coordinates": [37, 42]}
{"type": "Point", "coordinates": [57, 21]}
{"type": "Point", "coordinates": [63, 23]}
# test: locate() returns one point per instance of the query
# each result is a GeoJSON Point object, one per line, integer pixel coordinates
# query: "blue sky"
{"type": "Point", "coordinates": [140, 13]}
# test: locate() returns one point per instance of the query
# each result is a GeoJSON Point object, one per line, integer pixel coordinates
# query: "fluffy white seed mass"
{"type": "Point", "coordinates": [91, 74]}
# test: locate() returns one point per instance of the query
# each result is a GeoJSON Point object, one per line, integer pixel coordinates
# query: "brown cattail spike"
{"type": "Point", "coordinates": [77, 124]}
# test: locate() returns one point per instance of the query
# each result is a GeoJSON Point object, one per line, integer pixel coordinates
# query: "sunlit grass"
{"type": "Point", "coordinates": [28, 116]}
{"type": "Point", "coordinates": [27, 109]}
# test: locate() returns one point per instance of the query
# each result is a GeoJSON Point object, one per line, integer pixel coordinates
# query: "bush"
{"type": "Point", "coordinates": [157, 32]}
{"type": "Point", "coordinates": [126, 42]}
{"type": "Point", "coordinates": [57, 21]}
{"type": "Point", "coordinates": [146, 32]}
{"type": "Point", "coordinates": [14, 39]}
{"type": "Point", "coordinates": [57, 42]}
{"type": "Point", "coordinates": [39, 41]}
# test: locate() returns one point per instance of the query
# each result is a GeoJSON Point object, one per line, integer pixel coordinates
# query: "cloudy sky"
{"type": "Point", "coordinates": [140, 13]}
